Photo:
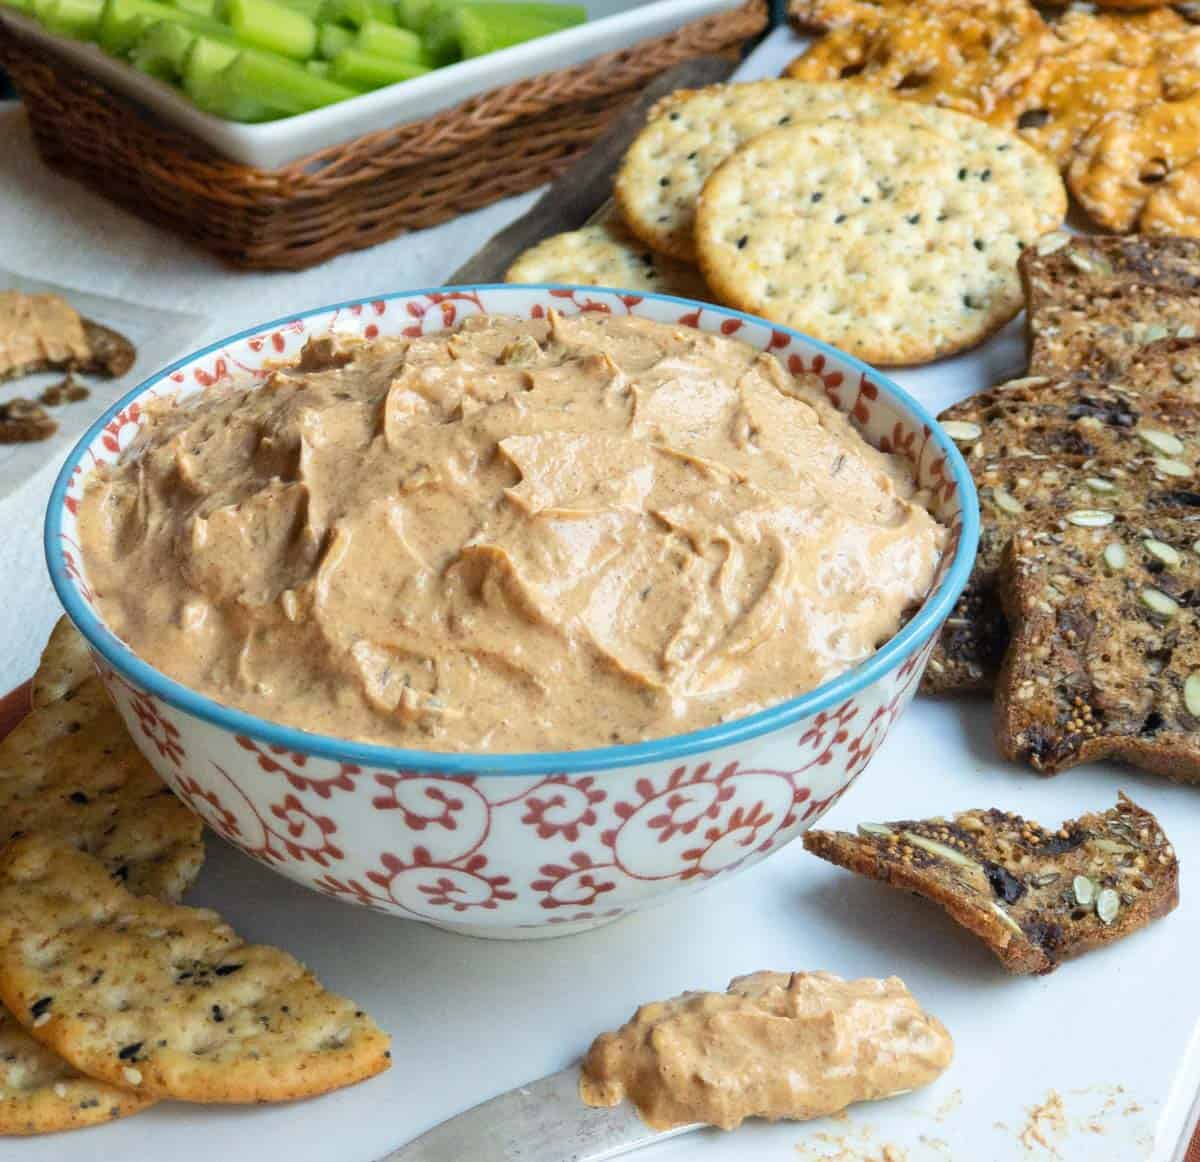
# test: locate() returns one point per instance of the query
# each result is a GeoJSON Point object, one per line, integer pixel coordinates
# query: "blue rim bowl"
{"type": "Point", "coordinates": [934, 609]}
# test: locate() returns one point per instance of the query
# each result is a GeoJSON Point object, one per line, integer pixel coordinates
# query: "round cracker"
{"type": "Point", "coordinates": [883, 238]}
{"type": "Point", "coordinates": [162, 999]}
{"type": "Point", "coordinates": [41, 1094]}
{"type": "Point", "coordinates": [606, 253]}
{"type": "Point", "coordinates": [691, 132]}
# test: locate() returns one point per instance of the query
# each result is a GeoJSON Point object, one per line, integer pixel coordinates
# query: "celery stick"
{"type": "Point", "coordinates": [78, 19]}
{"type": "Point", "coordinates": [274, 27]}
{"type": "Point", "coordinates": [477, 36]}
{"type": "Point", "coordinates": [203, 69]}
{"type": "Point", "coordinates": [196, 7]}
{"type": "Point", "coordinates": [19, 5]}
{"type": "Point", "coordinates": [123, 21]}
{"type": "Point", "coordinates": [331, 39]}
{"type": "Point", "coordinates": [357, 12]}
{"type": "Point", "coordinates": [499, 25]}
{"type": "Point", "coordinates": [162, 49]}
{"type": "Point", "coordinates": [411, 14]}
{"type": "Point", "coordinates": [310, 8]}
{"type": "Point", "coordinates": [358, 69]}
{"type": "Point", "coordinates": [317, 68]}
{"type": "Point", "coordinates": [379, 39]}
{"type": "Point", "coordinates": [281, 83]}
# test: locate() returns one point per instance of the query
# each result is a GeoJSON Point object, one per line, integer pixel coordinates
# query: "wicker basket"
{"type": "Point", "coordinates": [353, 195]}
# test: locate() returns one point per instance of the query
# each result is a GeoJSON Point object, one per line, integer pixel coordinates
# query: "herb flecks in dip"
{"type": "Point", "coordinates": [776, 1045]}
{"type": "Point", "coordinates": [516, 535]}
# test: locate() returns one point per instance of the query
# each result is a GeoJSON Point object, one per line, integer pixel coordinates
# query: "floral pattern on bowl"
{"type": "Point", "coordinates": [512, 845]}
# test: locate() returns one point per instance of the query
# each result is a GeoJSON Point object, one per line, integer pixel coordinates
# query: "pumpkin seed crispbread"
{"type": "Point", "coordinates": [165, 1000]}
{"type": "Point", "coordinates": [1038, 447]}
{"type": "Point", "coordinates": [66, 663]}
{"type": "Point", "coordinates": [1095, 305]}
{"type": "Point", "coordinates": [1104, 658]}
{"type": "Point", "coordinates": [882, 237]}
{"type": "Point", "coordinates": [70, 770]}
{"type": "Point", "coordinates": [605, 253]}
{"type": "Point", "coordinates": [1035, 896]}
{"type": "Point", "coordinates": [41, 1094]}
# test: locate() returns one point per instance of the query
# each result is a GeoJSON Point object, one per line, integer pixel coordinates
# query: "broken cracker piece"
{"type": "Point", "coordinates": [1035, 896]}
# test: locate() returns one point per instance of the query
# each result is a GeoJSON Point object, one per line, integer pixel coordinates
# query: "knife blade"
{"type": "Point", "coordinates": [544, 1121]}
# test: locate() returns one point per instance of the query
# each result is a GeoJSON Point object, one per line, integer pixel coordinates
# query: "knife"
{"type": "Point", "coordinates": [544, 1121]}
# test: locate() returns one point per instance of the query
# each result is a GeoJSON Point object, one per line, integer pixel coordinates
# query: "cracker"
{"type": "Point", "coordinates": [41, 1094]}
{"type": "Point", "coordinates": [884, 238]}
{"type": "Point", "coordinates": [1104, 660]}
{"type": "Point", "coordinates": [964, 58]}
{"type": "Point", "coordinates": [166, 1000]}
{"type": "Point", "coordinates": [70, 770]}
{"type": "Point", "coordinates": [691, 132]}
{"type": "Point", "coordinates": [1034, 895]}
{"type": "Point", "coordinates": [1046, 447]}
{"type": "Point", "coordinates": [1116, 166]}
{"type": "Point", "coordinates": [606, 254]}
{"type": "Point", "coordinates": [1095, 305]}
{"type": "Point", "coordinates": [65, 665]}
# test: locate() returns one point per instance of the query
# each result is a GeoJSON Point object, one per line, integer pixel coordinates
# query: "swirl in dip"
{"type": "Point", "coordinates": [518, 535]}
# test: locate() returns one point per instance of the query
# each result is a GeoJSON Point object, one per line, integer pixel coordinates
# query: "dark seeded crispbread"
{"type": "Point", "coordinates": [1035, 896]}
{"type": "Point", "coordinates": [1040, 446]}
{"type": "Point", "coordinates": [1012, 491]}
{"type": "Point", "coordinates": [1093, 303]}
{"type": "Point", "coordinates": [1038, 416]}
{"type": "Point", "coordinates": [1104, 657]}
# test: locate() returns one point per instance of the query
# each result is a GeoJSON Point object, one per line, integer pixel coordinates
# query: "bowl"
{"type": "Point", "coordinates": [511, 845]}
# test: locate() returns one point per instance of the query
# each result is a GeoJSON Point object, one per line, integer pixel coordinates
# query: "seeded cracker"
{"type": "Point", "coordinates": [690, 133]}
{"type": "Point", "coordinates": [65, 665]}
{"type": "Point", "coordinates": [70, 770]}
{"type": "Point", "coordinates": [883, 238]}
{"type": "Point", "coordinates": [1037, 447]}
{"type": "Point", "coordinates": [1035, 896]}
{"type": "Point", "coordinates": [163, 999]}
{"type": "Point", "coordinates": [1104, 660]}
{"type": "Point", "coordinates": [1097, 304]}
{"type": "Point", "coordinates": [606, 254]}
{"type": "Point", "coordinates": [41, 1094]}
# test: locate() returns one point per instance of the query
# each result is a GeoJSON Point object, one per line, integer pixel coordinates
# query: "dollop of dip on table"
{"type": "Point", "coordinates": [518, 535]}
{"type": "Point", "coordinates": [776, 1045]}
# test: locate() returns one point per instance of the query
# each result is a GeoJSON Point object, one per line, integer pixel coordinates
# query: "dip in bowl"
{"type": "Point", "coordinates": [562, 749]}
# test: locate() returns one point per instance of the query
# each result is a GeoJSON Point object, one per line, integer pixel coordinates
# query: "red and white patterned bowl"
{"type": "Point", "coordinates": [535, 844]}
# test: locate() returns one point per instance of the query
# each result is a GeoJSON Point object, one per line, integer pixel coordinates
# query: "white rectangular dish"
{"type": "Point", "coordinates": [611, 25]}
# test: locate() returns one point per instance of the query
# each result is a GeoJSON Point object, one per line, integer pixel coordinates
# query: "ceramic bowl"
{"type": "Point", "coordinates": [519, 844]}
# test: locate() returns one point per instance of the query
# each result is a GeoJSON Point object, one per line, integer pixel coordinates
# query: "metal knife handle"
{"type": "Point", "coordinates": [545, 1121]}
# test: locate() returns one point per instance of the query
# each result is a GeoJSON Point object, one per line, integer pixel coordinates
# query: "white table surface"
{"type": "Point", "coordinates": [1115, 1035]}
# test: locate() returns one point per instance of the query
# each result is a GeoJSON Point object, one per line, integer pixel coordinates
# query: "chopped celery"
{"type": "Point", "coordinates": [317, 68]}
{"type": "Point", "coordinates": [279, 84]}
{"type": "Point", "coordinates": [379, 39]}
{"type": "Point", "coordinates": [332, 38]}
{"type": "Point", "coordinates": [123, 21]}
{"type": "Point", "coordinates": [163, 48]}
{"type": "Point", "coordinates": [411, 14]}
{"type": "Point", "coordinates": [500, 23]}
{"type": "Point", "coordinates": [361, 70]}
{"type": "Point", "coordinates": [198, 7]}
{"type": "Point", "coordinates": [274, 27]}
{"type": "Point", "coordinates": [357, 12]}
{"type": "Point", "coordinates": [78, 19]}
{"type": "Point", "coordinates": [477, 36]}
{"type": "Point", "coordinates": [19, 5]}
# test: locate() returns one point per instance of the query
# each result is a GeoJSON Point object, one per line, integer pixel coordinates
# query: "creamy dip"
{"type": "Point", "coordinates": [519, 535]}
{"type": "Point", "coordinates": [776, 1045]}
